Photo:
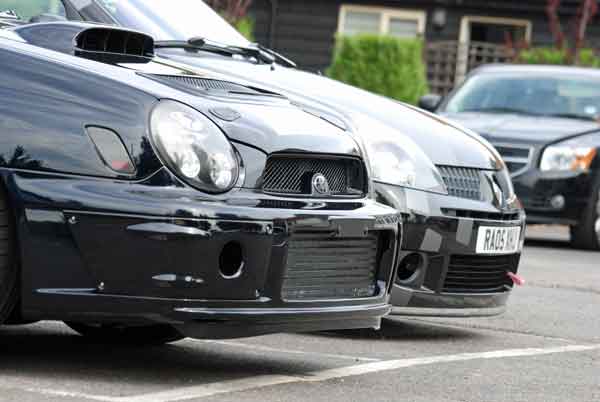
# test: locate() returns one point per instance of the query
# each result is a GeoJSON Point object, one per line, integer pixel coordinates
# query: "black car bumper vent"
{"type": "Point", "coordinates": [462, 182]}
{"type": "Point", "coordinates": [320, 266]}
{"type": "Point", "coordinates": [479, 274]}
{"type": "Point", "coordinates": [293, 174]}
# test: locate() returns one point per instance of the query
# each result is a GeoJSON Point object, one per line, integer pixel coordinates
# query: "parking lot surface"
{"type": "Point", "coordinates": [545, 348]}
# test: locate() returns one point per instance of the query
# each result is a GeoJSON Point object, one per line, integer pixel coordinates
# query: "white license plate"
{"type": "Point", "coordinates": [498, 240]}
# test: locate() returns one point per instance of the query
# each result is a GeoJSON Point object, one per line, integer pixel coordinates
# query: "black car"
{"type": "Point", "coordinates": [143, 203]}
{"type": "Point", "coordinates": [545, 122]}
{"type": "Point", "coordinates": [463, 225]}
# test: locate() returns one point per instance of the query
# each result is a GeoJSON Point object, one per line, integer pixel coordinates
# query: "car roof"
{"type": "Point", "coordinates": [535, 69]}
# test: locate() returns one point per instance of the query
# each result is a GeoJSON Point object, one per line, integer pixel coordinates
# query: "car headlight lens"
{"type": "Point", "coordinates": [561, 158]}
{"type": "Point", "coordinates": [194, 147]}
{"type": "Point", "coordinates": [396, 159]}
{"type": "Point", "coordinates": [575, 155]}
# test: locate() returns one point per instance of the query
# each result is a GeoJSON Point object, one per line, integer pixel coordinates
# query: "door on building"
{"type": "Point", "coordinates": [483, 40]}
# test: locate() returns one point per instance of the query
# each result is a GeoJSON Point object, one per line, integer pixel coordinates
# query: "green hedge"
{"type": "Point", "coordinates": [547, 55]}
{"type": "Point", "coordinates": [382, 64]}
{"type": "Point", "coordinates": [245, 26]}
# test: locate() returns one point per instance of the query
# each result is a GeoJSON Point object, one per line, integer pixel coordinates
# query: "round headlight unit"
{"type": "Point", "coordinates": [193, 147]}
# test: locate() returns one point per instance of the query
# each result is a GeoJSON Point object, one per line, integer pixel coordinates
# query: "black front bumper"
{"type": "Point", "coordinates": [443, 231]}
{"type": "Point", "coordinates": [148, 253]}
{"type": "Point", "coordinates": [537, 189]}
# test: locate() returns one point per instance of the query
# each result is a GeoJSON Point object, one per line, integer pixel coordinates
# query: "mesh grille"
{"type": "Point", "coordinates": [479, 274]}
{"type": "Point", "coordinates": [294, 174]}
{"type": "Point", "coordinates": [320, 266]}
{"type": "Point", "coordinates": [462, 182]}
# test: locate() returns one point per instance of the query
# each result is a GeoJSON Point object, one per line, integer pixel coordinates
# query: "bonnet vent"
{"type": "Point", "coordinates": [109, 45]}
{"type": "Point", "coordinates": [207, 84]}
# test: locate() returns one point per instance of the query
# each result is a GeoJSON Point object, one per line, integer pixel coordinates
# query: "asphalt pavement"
{"type": "Point", "coordinates": [545, 348]}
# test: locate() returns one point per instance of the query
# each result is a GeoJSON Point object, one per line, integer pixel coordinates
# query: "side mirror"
{"type": "Point", "coordinates": [430, 102]}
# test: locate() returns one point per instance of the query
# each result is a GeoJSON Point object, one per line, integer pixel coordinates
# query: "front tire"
{"type": "Point", "coordinates": [9, 273]}
{"type": "Point", "coordinates": [127, 335]}
{"type": "Point", "coordinates": [586, 235]}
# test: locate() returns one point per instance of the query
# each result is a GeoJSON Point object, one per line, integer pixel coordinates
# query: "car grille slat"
{"type": "Point", "coordinates": [462, 182]}
{"type": "Point", "coordinates": [478, 274]}
{"type": "Point", "coordinates": [293, 174]}
{"type": "Point", "coordinates": [320, 266]}
{"type": "Point", "coordinates": [517, 158]}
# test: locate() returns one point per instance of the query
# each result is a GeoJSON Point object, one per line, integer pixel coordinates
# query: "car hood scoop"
{"type": "Point", "coordinates": [105, 44]}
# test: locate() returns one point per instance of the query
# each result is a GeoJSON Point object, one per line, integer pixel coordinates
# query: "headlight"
{"type": "Point", "coordinates": [194, 147]}
{"type": "Point", "coordinates": [396, 159]}
{"type": "Point", "coordinates": [575, 155]}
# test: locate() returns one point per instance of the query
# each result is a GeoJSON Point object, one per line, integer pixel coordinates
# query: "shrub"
{"type": "Point", "coordinates": [246, 27]}
{"type": "Point", "coordinates": [547, 55]}
{"type": "Point", "coordinates": [382, 64]}
{"type": "Point", "coordinates": [543, 55]}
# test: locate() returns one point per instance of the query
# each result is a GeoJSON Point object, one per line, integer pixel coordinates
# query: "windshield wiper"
{"type": "Point", "coordinates": [280, 58]}
{"type": "Point", "coordinates": [502, 110]}
{"type": "Point", "coordinates": [572, 116]}
{"type": "Point", "coordinates": [256, 51]}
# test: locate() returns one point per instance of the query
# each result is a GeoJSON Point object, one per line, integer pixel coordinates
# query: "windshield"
{"type": "Point", "coordinates": [567, 96]}
{"type": "Point", "coordinates": [169, 20]}
{"type": "Point", "coordinates": [28, 9]}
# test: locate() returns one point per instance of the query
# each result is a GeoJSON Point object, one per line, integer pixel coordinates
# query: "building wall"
{"type": "Point", "coordinates": [305, 29]}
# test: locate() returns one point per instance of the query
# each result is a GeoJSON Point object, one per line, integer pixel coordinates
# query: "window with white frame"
{"type": "Point", "coordinates": [381, 20]}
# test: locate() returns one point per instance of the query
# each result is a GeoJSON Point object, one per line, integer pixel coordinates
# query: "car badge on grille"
{"type": "Point", "coordinates": [320, 185]}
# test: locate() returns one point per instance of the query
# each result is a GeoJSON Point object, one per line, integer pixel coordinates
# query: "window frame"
{"type": "Point", "coordinates": [467, 20]}
{"type": "Point", "coordinates": [386, 14]}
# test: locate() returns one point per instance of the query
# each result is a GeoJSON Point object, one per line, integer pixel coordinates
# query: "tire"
{"type": "Point", "coordinates": [9, 271]}
{"type": "Point", "coordinates": [126, 335]}
{"type": "Point", "coordinates": [586, 235]}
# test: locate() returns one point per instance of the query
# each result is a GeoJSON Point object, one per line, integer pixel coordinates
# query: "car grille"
{"type": "Point", "coordinates": [462, 182]}
{"type": "Point", "coordinates": [320, 266]}
{"type": "Point", "coordinates": [517, 159]}
{"type": "Point", "coordinates": [489, 216]}
{"type": "Point", "coordinates": [479, 274]}
{"type": "Point", "coordinates": [292, 174]}
{"type": "Point", "coordinates": [538, 201]}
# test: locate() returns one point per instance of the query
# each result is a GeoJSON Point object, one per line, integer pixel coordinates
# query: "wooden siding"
{"type": "Point", "coordinates": [305, 29]}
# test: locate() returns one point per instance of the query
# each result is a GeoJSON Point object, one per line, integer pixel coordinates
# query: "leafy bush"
{"type": "Point", "coordinates": [547, 55]}
{"type": "Point", "coordinates": [246, 27]}
{"type": "Point", "coordinates": [543, 55]}
{"type": "Point", "coordinates": [382, 64]}
{"type": "Point", "coordinates": [588, 58]}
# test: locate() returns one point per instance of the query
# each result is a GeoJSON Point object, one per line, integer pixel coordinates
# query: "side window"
{"type": "Point", "coordinates": [26, 9]}
{"type": "Point", "coordinates": [398, 22]}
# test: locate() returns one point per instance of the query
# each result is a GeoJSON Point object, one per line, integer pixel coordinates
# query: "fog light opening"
{"type": "Point", "coordinates": [231, 261]}
{"type": "Point", "coordinates": [409, 267]}
{"type": "Point", "coordinates": [558, 202]}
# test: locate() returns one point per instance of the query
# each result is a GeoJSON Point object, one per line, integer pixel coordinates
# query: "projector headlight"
{"type": "Point", "coordinates": [193, 147]}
